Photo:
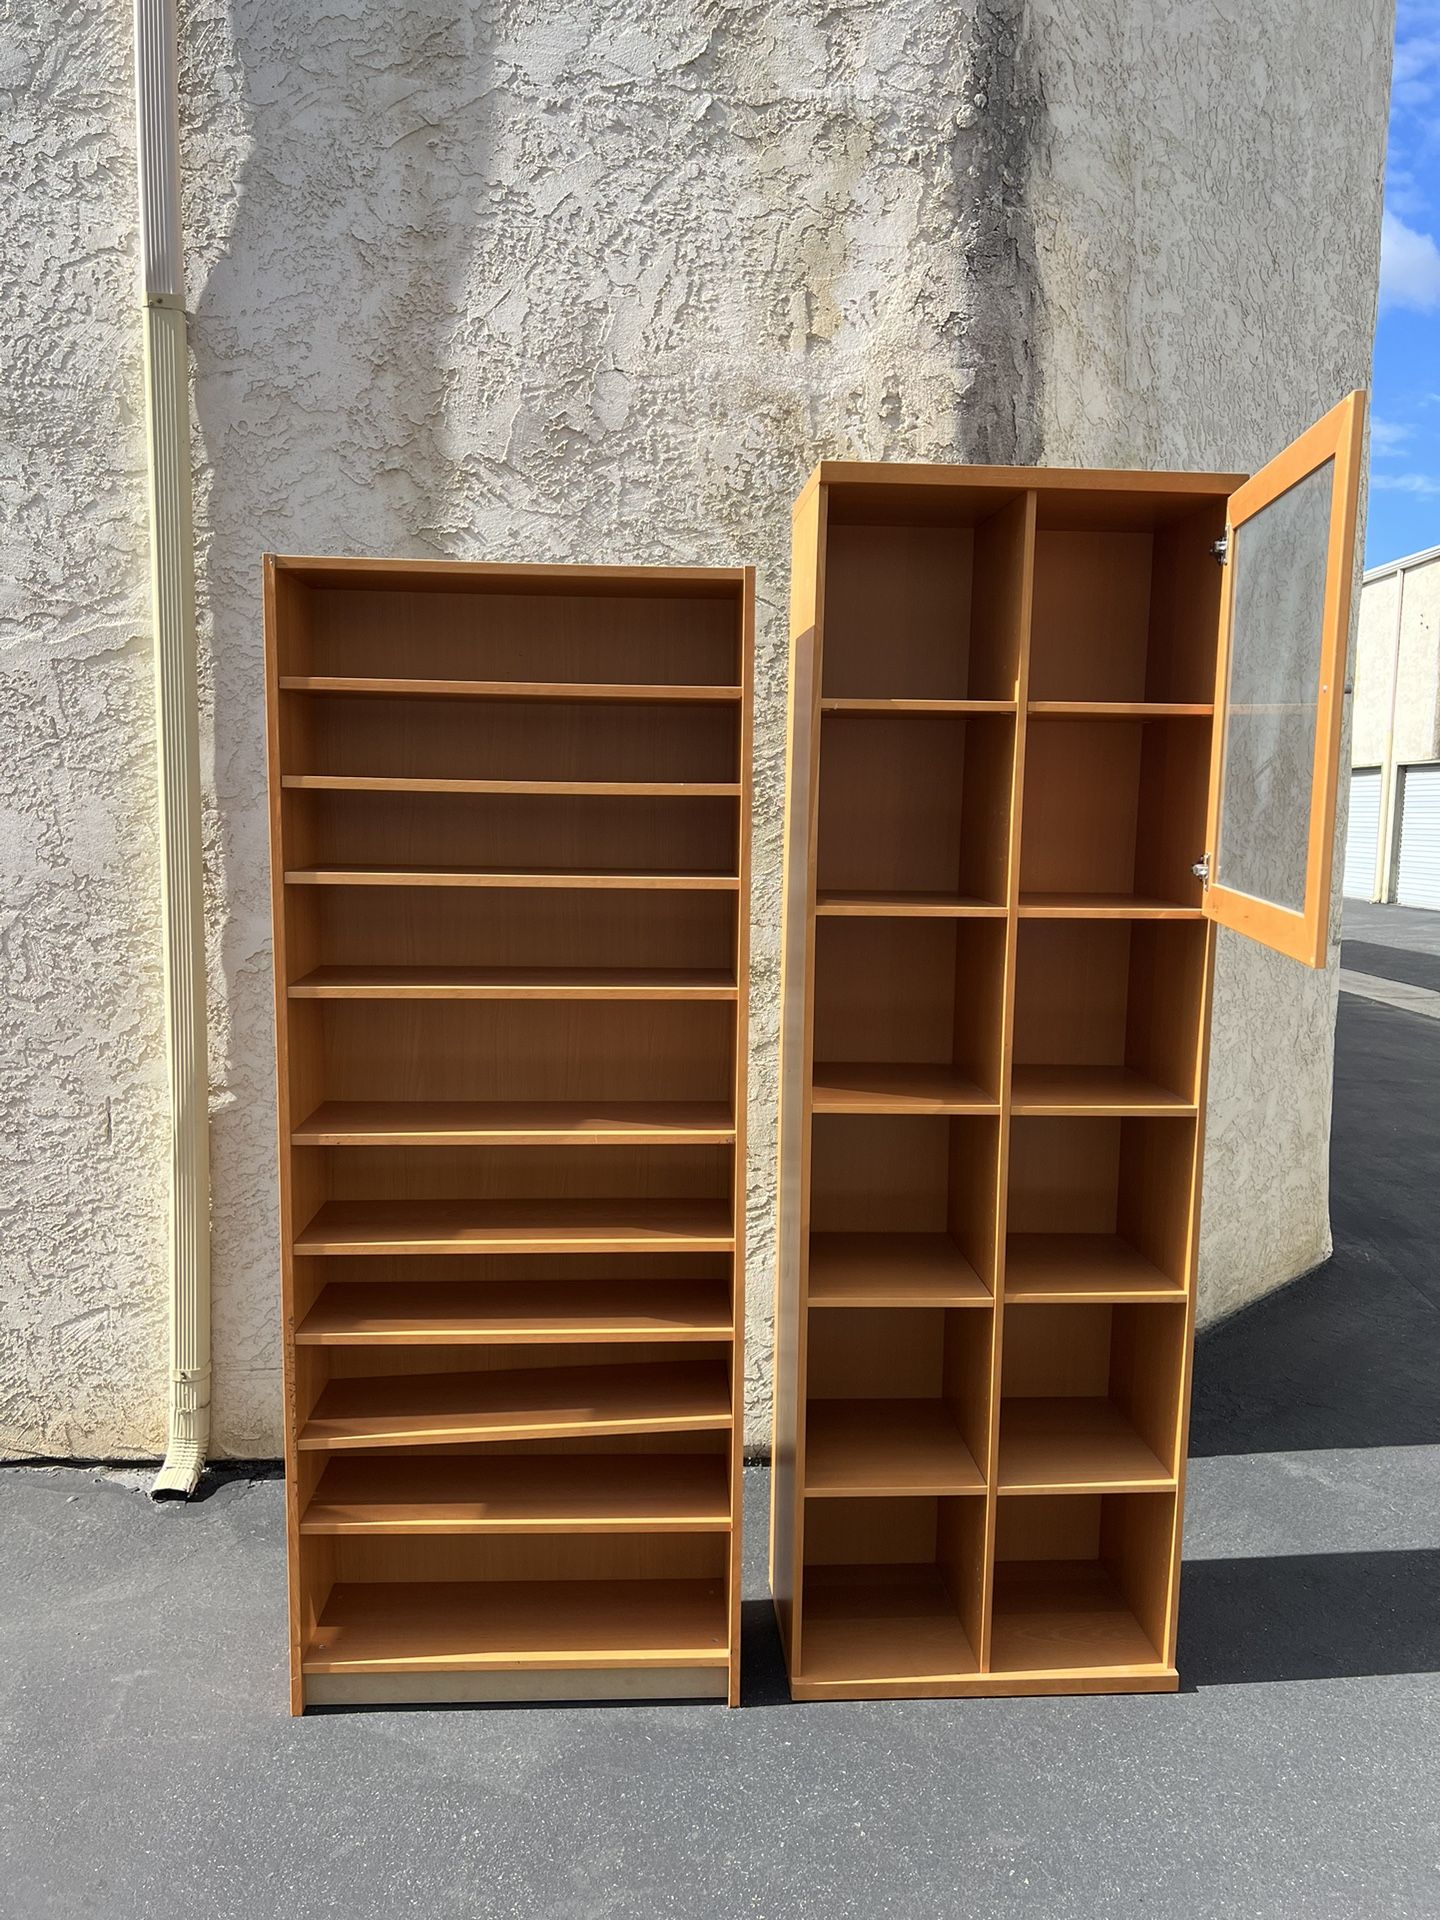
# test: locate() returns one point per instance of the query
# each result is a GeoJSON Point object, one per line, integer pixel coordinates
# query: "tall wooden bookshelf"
{"type": "Point", "coordinates": [510, 864]}
{"type": "Point", "coordinates": [1008, 794]}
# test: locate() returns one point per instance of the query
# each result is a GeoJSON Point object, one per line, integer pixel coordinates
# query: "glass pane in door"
{"type": "Point", "coordinates": [1276, 632]}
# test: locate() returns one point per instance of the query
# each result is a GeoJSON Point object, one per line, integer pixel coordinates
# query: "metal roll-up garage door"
{"type": "Point", "coordinates": [1362, 834]}
{"type": "Point", "coordinates": [1418, 880]}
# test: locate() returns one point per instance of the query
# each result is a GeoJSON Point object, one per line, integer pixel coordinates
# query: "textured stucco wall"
{"type": "Point", "coordinates": [83, 1151]}
{"type": "Point", "coordinates": [597, 284]}
{"type": "Point", "coordinates": [1206, 193]}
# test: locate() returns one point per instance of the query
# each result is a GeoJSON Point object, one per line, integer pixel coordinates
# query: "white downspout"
{"type": "Point", "coordinates": [1389, 780]}
{"type": "Point", "coordinates": [172, 595]}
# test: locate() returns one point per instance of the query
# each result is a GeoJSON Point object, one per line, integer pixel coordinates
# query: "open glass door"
{"type": "Point", "coordinates": [1279, 689]}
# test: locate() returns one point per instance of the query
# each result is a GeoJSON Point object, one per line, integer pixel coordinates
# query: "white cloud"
{"type": "Point", "coordinates": [1426, 483]}
{"type": "Point", "coordinates": [1388, 436]}
{"type": "Point", "coordinates": [1409, 266]}
{"type": "Point", "coordinates": [1417, 70]}
{"type": "Point", "coordinates": [1404, 193]}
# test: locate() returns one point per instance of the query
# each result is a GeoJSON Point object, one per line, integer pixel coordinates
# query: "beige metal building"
{"type": "Point", "coordinates": [1392, 844]}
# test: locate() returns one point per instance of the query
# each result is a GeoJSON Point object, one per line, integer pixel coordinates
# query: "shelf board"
{"type": "Point", "coordinates": [891, 1447]}
{"type": "Point", "coordinates": [864, 1086]}
{"type": "Point", "coordinates": [624, 693]}
{"type": "Point", "coordinates": [551, 1493]}
{"type": "Point", "coordinates": [1065, 1618]}
{"type": "Point", "coordinates": [1074, 1446]}
{"type": "Point", "coordinates": [1115, 1091]}
{"type": "Point", "coordinates": [518, 1226]}
{"type": "Point", "coordinates": [370, 982]}
{"type": "Point", "coordinates": [364, 1313]}
{"type": "Point", "coordinates": [1067, 1268]}
{"type": "Point", "coordinates": [571, 789]}
{"type": "Point", "coordinates": [881, 1625]}
{"type": "Point", "coordinates": [516, 1123]}
{"type": "Point", "coordinates": [917, 707]}
{"type": "Point", "coordinates": [469, 1626]}
{"type": "Point", "coordinates": [528, 1403]}
{"type": "Point", "coordinates": [848, 904]}
{"type": "Point", "coordinates": [1119, 710]}
{"type": "Point", "coordinates": [535, 877]}
{"type": "Point", "coordinates": [1103, 906]}
{"type": "Point", "coordinates": [891, 1270]}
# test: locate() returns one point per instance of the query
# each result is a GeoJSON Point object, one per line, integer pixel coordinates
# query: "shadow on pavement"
{"type": "Point", "coordinates": [1349, 1356]}
{"type": "Point", "coordinates": [1392, 963]}
{"type": "Point", "coordinates": [1309, 1616]}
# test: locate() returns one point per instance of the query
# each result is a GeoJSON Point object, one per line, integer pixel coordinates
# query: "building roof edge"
{"type": "Point", "coordinates": [1403, 565]}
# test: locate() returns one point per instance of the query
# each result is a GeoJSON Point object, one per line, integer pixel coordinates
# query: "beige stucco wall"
{"type": "Point", "coordinates": [1225, 141]}
{"type": "Point", "coordinates": [595, 284]}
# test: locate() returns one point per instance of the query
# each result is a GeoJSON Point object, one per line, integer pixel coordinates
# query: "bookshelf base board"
{"type": "Point", "coordinates": [559, 1684]}
{"type": "Point", "coordinates": [988, 1686]}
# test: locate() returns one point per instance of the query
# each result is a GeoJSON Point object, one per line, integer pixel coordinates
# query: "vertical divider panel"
{"type": "Point", "coordinates": [1191, 1270]}
{"type": "Point", "coordinates": [1004, 596]}
{"type": "Point", "coordinates": [797, 1000]}
{"type": "Point", "coordinates": [739, 1081]}
{"type": "Point", "coordinates": [303, 1605]}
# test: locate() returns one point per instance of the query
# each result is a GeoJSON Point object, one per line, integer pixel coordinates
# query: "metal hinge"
{"type": "Point", "coordinates": [1221, 548]}
{"type": "Point", "coordinates": [1201, 870]}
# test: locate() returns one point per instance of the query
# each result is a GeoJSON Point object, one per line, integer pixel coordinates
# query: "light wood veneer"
{"type": "Point", "coordinates": [510, 855]}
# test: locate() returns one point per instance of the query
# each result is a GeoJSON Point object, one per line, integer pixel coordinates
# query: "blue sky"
{"type": "Point", "coordinates": [1405, 422]}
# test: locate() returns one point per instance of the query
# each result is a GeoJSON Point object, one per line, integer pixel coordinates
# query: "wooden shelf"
{"type": "Point", "coordinates": [512, 983]}
{"type": "Point", "coordinates": [526, 690]}
{"type": "Point", "coordinates": [1066, 1618]}
{"type": "Point", "coordinates": [544, 789]}
{"type": "Point", "coordinates": [1103, 906]}
{"type": "Point", "coordinates": [941, 708]}
{"type": "Point", "coordinates": [1119, 710]}
{"type": "Point", "coordinates": [531, 1403]}
{"type": "Point", "coordinates": [441, 1123]}
{"type": "Point", "coordinates": [1114, 1091]}
{"type": "Point", "coordinates": [891, 1270]}
{"type": "Point", "coordinates": [364, 1313]}
{"type": "Point", "coordinates": [863, 1086]}
{"type": "Point", "coordinates": [540, 877]}
{"type": "Point", "coordinates": [906, 906]}
{"type": "Point", "coordinates": [518, 1226]}
{"type": "Point", "coordinates": [892, 1447]}
{"type": "Point", "coordinates": [1073, 1446]}
{"type": "Point", "coordinates": [468, 1626]}
{"type": "Point", "coordinates": [882, 1626]}
{"type": "Point", "coordinates": [550, 1493]}
{"type": "Point", "coordinates": [1066, 1268]}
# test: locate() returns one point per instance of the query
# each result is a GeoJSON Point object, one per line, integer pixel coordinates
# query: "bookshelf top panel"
{"type": "Point", "coordinates": [863, 492]}
{"type": "Point", "coordinates": [486, 576]}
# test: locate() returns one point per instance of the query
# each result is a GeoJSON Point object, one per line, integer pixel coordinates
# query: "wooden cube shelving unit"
{"type": "Point", "coordinates": [1003, 773]}
{"type": "Point", "coordinates": [510, 863]}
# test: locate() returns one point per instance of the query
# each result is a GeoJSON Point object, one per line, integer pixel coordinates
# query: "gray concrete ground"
{"type": "Point", "coordinates": [151, 1767]}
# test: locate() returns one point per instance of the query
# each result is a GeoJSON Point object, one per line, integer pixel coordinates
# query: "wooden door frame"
{"type": "Point", "coordinates": [1339, 436]}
